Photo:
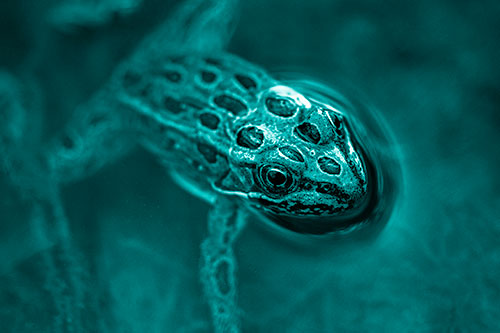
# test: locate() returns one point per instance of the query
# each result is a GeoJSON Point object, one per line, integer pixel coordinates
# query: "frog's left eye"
{"type": "Point", "coordinates": [275, 179]}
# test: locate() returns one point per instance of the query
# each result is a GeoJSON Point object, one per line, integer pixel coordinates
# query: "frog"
{"type": "Point", "coordinates": [225, 127]}
{"type": "Point", "coordinates": [227, 131]}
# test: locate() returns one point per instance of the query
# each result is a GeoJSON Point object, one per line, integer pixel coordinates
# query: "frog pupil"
{"type": "Point", "coordinates": [276, 177]}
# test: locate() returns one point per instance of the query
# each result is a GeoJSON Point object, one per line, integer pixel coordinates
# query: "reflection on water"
{"type": "Point", "coordinates": [430, 69]}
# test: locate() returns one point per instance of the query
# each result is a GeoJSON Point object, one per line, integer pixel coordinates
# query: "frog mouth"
{"type": "Point", "coordinates": [318, 219]}
{"type": "Point", "coordinates": [295, 208]}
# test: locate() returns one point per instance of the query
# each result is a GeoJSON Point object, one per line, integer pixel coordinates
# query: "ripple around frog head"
{"type": "Point", "coordinates": [374, 141]}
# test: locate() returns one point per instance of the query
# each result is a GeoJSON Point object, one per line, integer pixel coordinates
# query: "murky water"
{"type": "Point", "coordinates": [429, 68]}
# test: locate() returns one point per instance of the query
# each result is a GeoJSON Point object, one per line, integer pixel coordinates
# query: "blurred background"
{"type": "Point", "coordinates": [430, 68]}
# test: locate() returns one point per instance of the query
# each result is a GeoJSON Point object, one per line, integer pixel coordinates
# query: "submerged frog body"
{"type": "Point", "coordinates": [230, 133]}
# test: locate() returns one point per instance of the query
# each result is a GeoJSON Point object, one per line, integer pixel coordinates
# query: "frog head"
{"type": "Point", "coordinates": [295, 160]}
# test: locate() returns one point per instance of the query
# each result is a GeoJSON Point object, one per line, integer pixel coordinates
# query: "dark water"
{"type": "Point", "coordinates": [429, 67]}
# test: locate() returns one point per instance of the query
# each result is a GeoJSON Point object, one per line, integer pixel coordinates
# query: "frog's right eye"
{"type": "Point", "coordinates": [275, 179]}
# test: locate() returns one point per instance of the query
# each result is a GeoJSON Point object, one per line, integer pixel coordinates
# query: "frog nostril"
{"type": "Point", "coordinates": [308, 132]}
{"type": "Point", "coordinates": [329, 165]}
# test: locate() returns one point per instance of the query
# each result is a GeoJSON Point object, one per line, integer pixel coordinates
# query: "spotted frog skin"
{"type": "Point", "coordinates": [226, 127]}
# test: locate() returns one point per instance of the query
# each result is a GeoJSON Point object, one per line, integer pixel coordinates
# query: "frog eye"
{"type": "Point", "coordinates": [275, 179]}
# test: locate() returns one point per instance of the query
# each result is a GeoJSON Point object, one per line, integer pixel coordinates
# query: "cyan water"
{"type": "Point", "coordinates": [429, 68]}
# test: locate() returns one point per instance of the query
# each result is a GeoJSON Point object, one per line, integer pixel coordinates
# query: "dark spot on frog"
{"type": "Point", "coordinates": [169, 143]}
{"type": "Point", "coordinates": [145, 91]}
{"type": "Point", "coordinates": [208, 152]}
{"type": "Point", "coordinates": [172, 76]}
{"type": "Point", "coordinates": [246, 81]}
{"type": "Point", "coordinates": [250, 137]}
{"type": "Point", "coordinates": [173, 105]}
{"type": "Point", "coordinates": [282, 107]}
{"type": "Point", "coordinates": [337, 122]}
{"type": "Point", "coordinates": [195, 164]}
{"type": "Point", "coordinates": [292, 153]}
{"type": "Point", "coordinates": [177, 59]}
{"type": "Point", "coordinates": [131, 78]}
{"type": "Point", "coordinates": [209, 120]}
{"type": "Point", "coordinates": [222, 275]}
{"type": "Point", "coordinates": [212, 61]}
{"type": "Point", "coordinates": [208, 77]}
{"type": "Point", "coordinates": [329, 165]}
{"type": "Point", "coordinates": [308, 132]}
{"type": "Point", "coordinates": [193, 103]}
{"type": "Point", "coordinates": [232, 104]}
{"type": "Point", "coordinates": [176, 106]}
{"type": "Point", "coordinates": [324, 188]}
